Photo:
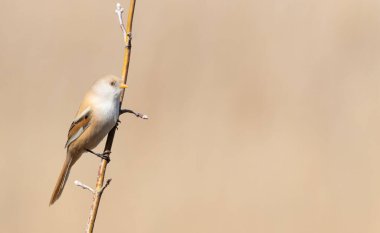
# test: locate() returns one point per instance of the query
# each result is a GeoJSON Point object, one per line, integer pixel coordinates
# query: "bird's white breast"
{"type": "Point", "coordinates": [105, 117]}
{"type": "Point", "coordinates": [107, 111]}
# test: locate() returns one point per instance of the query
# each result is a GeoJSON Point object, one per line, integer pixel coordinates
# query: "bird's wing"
{"type": "Point", "coordinates": [79, 125]}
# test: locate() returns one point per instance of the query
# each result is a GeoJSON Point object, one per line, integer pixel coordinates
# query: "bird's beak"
{"type": "Point", "coordinates": [122, 85]}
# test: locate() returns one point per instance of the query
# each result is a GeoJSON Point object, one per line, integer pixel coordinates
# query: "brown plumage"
{"type": "Point", "coordinates": [96, 116]}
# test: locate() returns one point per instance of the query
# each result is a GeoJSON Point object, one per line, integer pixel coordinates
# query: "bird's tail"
{"type": "Point", "coordinates": [69, 162]}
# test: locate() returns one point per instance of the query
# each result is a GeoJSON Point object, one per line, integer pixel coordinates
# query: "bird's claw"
{"type": "Point", "coordinates": [105, 155]}
{"type": "Point", "coordinates": [117, 124]}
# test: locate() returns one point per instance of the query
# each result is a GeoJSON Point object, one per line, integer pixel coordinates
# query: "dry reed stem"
{"type": "Point", "coordinates": [103, 165]}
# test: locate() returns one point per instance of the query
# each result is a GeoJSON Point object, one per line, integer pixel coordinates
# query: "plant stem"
{"type": "Point", "coordinates": [103, 165]}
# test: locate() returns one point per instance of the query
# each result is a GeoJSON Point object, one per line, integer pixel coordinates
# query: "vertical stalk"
{"type": "Point", "coordinates": [103, 165]}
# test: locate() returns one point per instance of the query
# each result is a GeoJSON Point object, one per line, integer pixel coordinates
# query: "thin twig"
{"type": "Point", "coordinates": [119, 11]}
{"type": "Point", "coordinates": [104, 186]}
{"type": "Point", "coordinates": [83, 186]}
{"type": "Point", "coordinates": [137, 114]}
{"type": "Point", "coordinates": [103, 166]}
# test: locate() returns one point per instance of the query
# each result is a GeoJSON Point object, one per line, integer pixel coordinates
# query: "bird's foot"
{"type": "Point", "coordinates": [117, 124]}
{"type": "Point", "coordinates": [105, 155]}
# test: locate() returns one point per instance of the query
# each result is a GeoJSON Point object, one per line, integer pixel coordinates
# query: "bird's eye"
{"type": "Point", "coordinates": [113, 83]}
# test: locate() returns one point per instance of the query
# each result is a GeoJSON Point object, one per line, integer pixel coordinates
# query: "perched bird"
{"type": "Point", "coordinates": [97, 115]}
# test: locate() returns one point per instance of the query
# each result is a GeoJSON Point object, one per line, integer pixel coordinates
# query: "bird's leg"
{"type": "Point", "coordinates": [137, 114]}
{"type": "Point", "coordinates": [105, 155]}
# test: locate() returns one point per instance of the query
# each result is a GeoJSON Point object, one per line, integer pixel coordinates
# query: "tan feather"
{"type": "Point", "coordinates": [79, 125]}
{"type": "Point", "coordinates": [95, 118]}
{"type": "Point", "coordinates": [61, 180]}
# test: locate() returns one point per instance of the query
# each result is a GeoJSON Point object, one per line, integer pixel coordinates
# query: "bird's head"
{"type": "Point", "coordinates": [108, 87]}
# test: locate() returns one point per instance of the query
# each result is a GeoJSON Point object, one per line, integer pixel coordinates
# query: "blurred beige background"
{"type": "Point", "coordinates": [264, 116]}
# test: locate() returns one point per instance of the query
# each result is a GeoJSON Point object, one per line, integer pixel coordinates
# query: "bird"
{"type": "Point", "coordinates": [97, 115]}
